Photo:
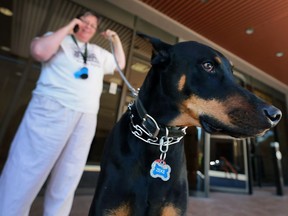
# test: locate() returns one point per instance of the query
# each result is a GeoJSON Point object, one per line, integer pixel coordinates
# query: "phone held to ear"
{"type": "Point", "coordinates": [76, 28]}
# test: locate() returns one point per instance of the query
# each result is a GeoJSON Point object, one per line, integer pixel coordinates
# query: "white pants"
{"type": "Point", "coordinates": [50, 138]}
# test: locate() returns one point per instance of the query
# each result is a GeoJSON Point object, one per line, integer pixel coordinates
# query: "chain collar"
{"type": "Point", "coordinates": [150, 131]}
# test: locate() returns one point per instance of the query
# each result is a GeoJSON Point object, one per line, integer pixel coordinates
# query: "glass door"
{"type": "Point", "coordinates": [228, 164]}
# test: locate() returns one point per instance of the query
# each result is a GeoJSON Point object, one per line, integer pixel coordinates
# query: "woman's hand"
{"type": "Point", "coordinates": [109, 34]}
{"type": "Point", "coordinates": [72, 25]}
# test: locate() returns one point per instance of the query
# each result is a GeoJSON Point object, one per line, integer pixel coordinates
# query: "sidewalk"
{"type": "Point", "coordinates": [263, 202]}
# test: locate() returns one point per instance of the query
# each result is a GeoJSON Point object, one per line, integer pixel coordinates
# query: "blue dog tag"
{"type": "Point", "coordinates": [159, 169]}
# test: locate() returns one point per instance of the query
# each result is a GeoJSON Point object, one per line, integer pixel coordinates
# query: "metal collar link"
{"type": "Point", "coordinates": [152, 127]}
{"type": "Point", "coordinates": [142, 132]}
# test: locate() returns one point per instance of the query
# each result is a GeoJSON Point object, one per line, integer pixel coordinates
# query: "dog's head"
{"type": "Point", "coordinates": [193, 85]}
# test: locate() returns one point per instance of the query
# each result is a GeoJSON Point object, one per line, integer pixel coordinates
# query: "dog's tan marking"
{"type": "Point", "coordinates": [170, 210]}
{"type": "Point", "coordinates": [182, 82]}
{"type": "Point", "coordinates": [193, 107]}
{"type": "Point", "coordinates": [122, 210]}
{"type": "Point", "coordinates": [218, 59]}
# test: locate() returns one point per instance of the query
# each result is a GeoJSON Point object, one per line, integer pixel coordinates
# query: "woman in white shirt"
{"type": "Point", "coordinates": [59, 124]}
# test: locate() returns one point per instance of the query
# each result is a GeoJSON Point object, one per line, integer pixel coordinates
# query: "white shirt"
{"type": "Point", "coordinates": [57, 78]}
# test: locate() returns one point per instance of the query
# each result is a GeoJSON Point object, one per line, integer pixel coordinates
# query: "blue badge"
{"type": "Point", "coordinates": [82, 73]}
{"type": "Point", "coordinates": [159, 169]}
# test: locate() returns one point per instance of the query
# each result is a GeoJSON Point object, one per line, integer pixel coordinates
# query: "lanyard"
{"type": "Point", "coordinates": [85, 54]}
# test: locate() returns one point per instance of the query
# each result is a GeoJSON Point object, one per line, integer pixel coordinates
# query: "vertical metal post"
{"type": "Point", "coordinates": [246, 164]}
{"type": "Point", "coordinates": [250, 179]}
{"type": "Point", "coordinates": [127, 71]}
{"type": "Point", "coordinates": [277, 156]}
{"type": "Point", "coordinates": [207, 138]}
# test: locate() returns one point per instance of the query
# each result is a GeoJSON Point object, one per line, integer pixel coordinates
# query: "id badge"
{"type": "Point", "coordinates": [82, 73]}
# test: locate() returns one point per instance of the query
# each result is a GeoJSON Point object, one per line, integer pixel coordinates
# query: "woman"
{"type": "Point", "coordinates": [57, 129]}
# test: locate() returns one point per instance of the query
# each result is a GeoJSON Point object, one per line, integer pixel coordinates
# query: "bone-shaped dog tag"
{"type": "Point", "coordinates": [159, 169]}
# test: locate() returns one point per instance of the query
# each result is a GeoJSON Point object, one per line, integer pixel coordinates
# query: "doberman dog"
{"type": "Point", "coordinates": [143, 170]}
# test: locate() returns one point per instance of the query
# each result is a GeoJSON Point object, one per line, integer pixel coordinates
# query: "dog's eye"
{"type": "Point", "coordinates": [208, 66]}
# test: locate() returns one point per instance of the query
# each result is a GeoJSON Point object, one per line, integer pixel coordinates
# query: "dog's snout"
{"type": "Point", "coordinates": [273, 114]}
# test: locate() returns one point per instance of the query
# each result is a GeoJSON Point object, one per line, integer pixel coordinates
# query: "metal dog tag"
{"type": "Point", "coordinates": [159, 169]}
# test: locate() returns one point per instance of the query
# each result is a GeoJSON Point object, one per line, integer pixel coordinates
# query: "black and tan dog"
{"type": "Point", "coordinates": [143, 171]}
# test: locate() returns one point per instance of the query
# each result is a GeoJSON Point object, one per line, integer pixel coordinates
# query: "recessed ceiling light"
{"type": "Point", "coordinates": [249, 31]}
{"type": "Point", "coordinates": [18, 73]}
{"type": "Point", "coordinates": [139, 67]}
{"type": "Point", "coordinates": [6, 11]}
{"type": "Point", "coordinates": [279, 54]}
{"type": "Point", "coordinates": [7, 49]}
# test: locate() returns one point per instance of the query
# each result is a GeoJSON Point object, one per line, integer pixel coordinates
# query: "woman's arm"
{"type": "Point", "coordinates": [43, 48]}
{"type": "Point", "coordinates": [118, 48]}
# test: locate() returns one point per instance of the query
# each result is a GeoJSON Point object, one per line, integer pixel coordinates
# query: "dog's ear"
{"type": "Point", "coordinates": [160, 52]}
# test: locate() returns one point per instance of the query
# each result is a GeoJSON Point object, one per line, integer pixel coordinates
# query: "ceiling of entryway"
{"type": "Point", "coordinates": [224, 22]}
{"type": "Point", "coordinates": [256, 30]}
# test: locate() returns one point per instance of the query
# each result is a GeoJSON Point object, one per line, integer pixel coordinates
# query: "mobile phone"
{"type": "Point", "coordinates": [76, 28]}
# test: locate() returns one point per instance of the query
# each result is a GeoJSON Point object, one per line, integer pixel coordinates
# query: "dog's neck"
{"type": "Point", "coordinates": [164, 108]}
{"type": "Point", "coordinates": [146, 128]}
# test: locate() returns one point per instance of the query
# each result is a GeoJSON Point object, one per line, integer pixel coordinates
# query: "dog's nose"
{"type": "Point", "coordinates": [273, 114]}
